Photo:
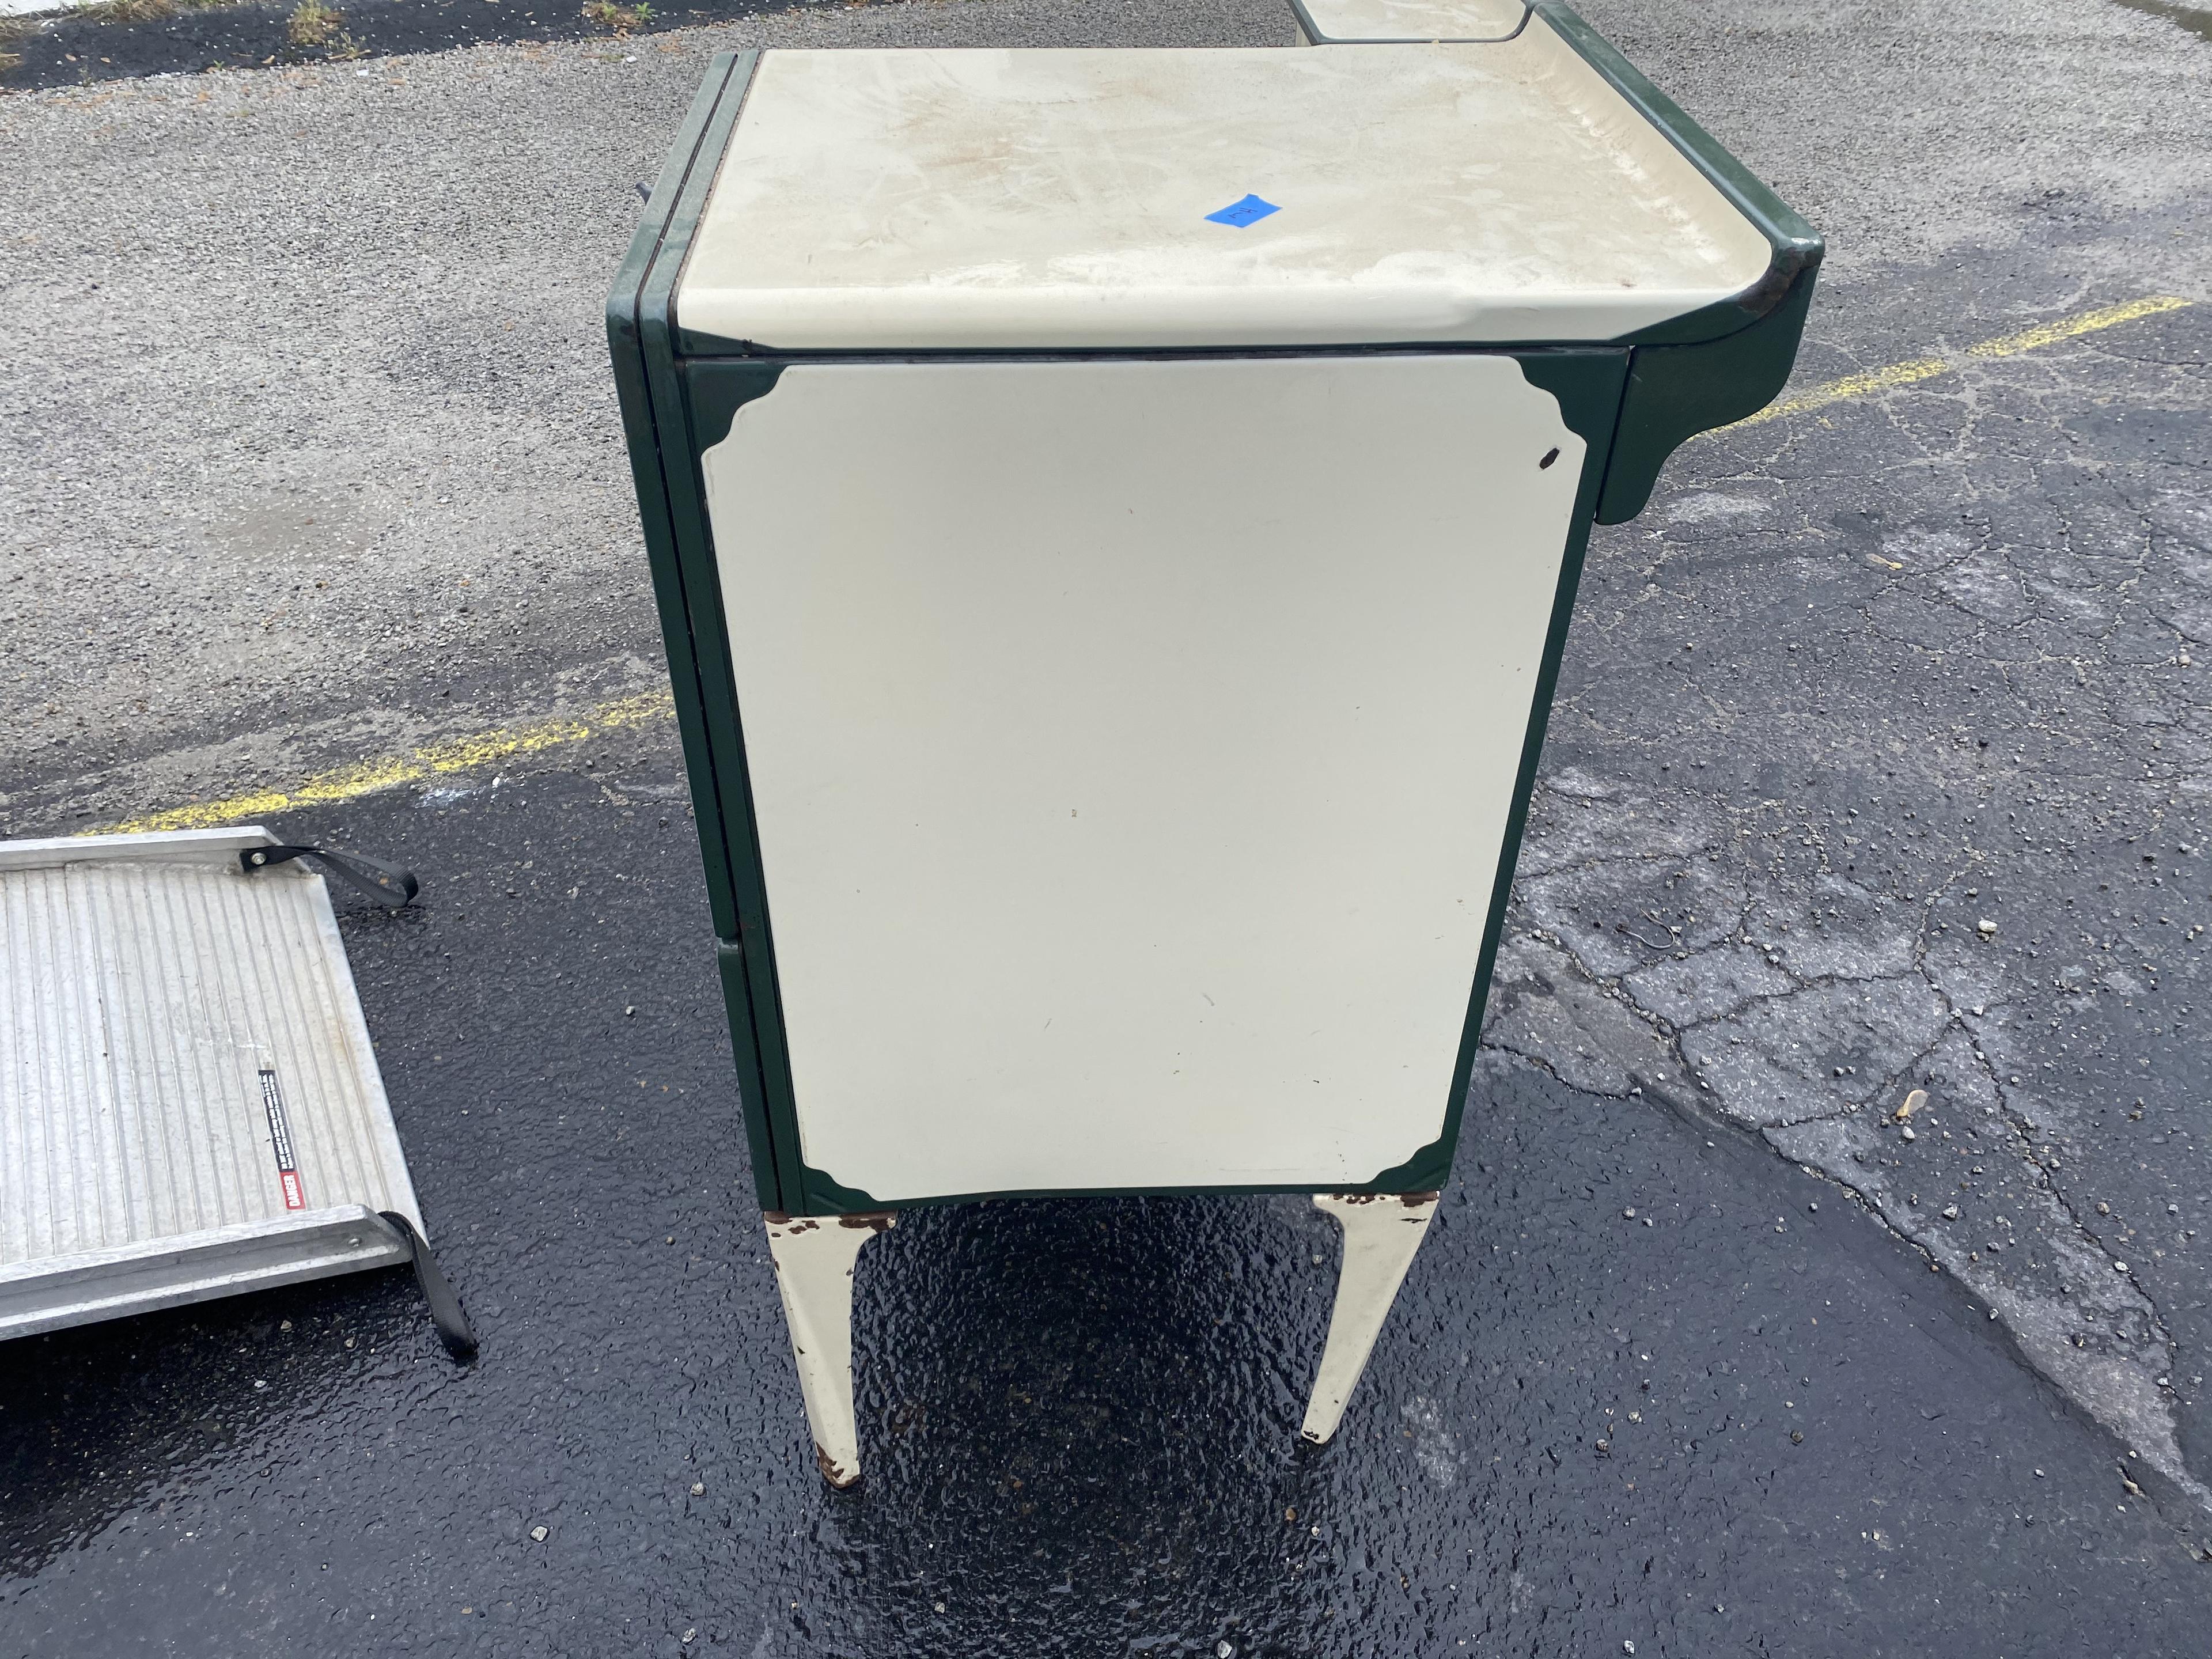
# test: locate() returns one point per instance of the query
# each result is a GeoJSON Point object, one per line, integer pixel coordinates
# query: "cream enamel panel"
{"type": "Point", "coordinates": [1131, 745]}
{"type": "Point", "coordinates": [1058, 198]}
{"type": "Point", "coordinates": [1412, 20]}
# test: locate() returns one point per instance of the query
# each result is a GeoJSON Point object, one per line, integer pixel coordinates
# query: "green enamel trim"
{"type": "Point", "coordinates": [719, 390]}
{"type": "Point", "coordinates": [682, 394]}
{"type": "Point", "coordinates": [664, 447]}
{"type": "Point", "coordinates": [1797, 247]}
{"type": "Point", "coordinates": [737, 1002]}
{"type": "Point", "coordinates": [850, 1200]}
{"type": "Point", "coordinates": [712, 393]}
{"type": "Point", "coordinates": [643, 436]}
{"type": "Point", "coordinates": [660, 239]}
{"type": "Point", "coordinates": [824, 1196]}
{"type": "Point", "coordinates": [1674, 393]}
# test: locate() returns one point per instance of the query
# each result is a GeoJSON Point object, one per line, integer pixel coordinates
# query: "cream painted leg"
{"type": "Point", "coordinates": [1380, 1233]}
{"type": "Point", "coordinates": [814, 1257]}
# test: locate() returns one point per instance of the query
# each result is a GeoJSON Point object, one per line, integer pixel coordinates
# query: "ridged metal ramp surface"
{"type": "Point", "coordinates": [189, 1104]}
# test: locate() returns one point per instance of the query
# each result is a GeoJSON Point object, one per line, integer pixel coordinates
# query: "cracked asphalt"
{"type": "Point", "coordinates": [1912, 794]}
{"type": "Point", "coordinates": [1881, 763]}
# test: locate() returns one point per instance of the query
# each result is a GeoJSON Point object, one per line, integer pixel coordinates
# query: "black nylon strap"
{"type": "Point", "coordinates": [454, 1328]}
{"type": "Point", "coordinates": [385, 883]}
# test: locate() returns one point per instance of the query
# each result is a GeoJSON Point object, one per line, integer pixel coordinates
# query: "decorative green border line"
{"type": "Point", "coordinates": [661, 448]}
{"type": "Point", "coordinates": [1587, 383]}
{"type": "Point", "coordinates": [1632, 402]}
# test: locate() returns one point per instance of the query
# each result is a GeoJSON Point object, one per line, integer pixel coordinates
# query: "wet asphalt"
{"type": "Point", "coordinates": [1745, 1419]}
{"type": "Point", "coordinates": [1857, 682]}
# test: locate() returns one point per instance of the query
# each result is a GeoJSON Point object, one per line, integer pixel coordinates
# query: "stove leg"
{"type": "Point", "coordinates": [1380, 1233]}
{"type": "Point", "coordinates": [814, 1257]}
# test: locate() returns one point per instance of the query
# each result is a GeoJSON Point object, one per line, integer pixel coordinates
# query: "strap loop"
{"type": "Point", "coordinates": [454, 1328]}
{"type": "Point", "coordinates": [387, 884]}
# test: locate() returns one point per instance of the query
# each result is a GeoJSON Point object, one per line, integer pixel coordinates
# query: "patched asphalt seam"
{"type": "Point", "coordinates": [2159, 1451]}
{"type": "Point", "coordinates": [2153, 1440]}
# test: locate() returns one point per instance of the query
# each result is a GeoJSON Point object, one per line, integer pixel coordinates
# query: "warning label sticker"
{"type": "Point", "coordinates": [280, 1138]}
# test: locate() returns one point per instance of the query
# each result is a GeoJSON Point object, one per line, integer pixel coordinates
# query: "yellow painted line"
{"type": "Point", "coordinates": [467, 754]}
{"type": "Point", "coordinates": [2011, 345]}
{"type": "Point", "coordinates": [1927, 369]}
{"type": "Point", "coordinates": [472, 753]}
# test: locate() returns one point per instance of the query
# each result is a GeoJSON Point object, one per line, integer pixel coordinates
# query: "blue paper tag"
{"type": "Point", "coordinates": [1241, 213]}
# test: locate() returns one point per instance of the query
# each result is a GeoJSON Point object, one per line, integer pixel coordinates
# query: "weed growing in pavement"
{"type": "Point", "coordinates": [617, 19]}
{"type": "Point", "coordinates": [313, 24]}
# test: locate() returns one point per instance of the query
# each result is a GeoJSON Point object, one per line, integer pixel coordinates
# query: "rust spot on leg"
{"type": "Point", "coordinates": [874, 1220]}
{"type": "Point", "coordinates": [832, 1471]}
{"type": "Point", "coordinates": [1411, 1201]}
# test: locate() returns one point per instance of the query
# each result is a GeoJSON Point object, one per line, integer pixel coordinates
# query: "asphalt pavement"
{"type": "Point", "coordinates": [1745, 1418]}
{"type": "Point", "coordinates": [1881, 761]}
{"type": "Point", "coordinates": [97, 40]}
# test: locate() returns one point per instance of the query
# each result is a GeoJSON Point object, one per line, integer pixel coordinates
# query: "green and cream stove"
{"type": "Point", "coordinates": [1114, 517]}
